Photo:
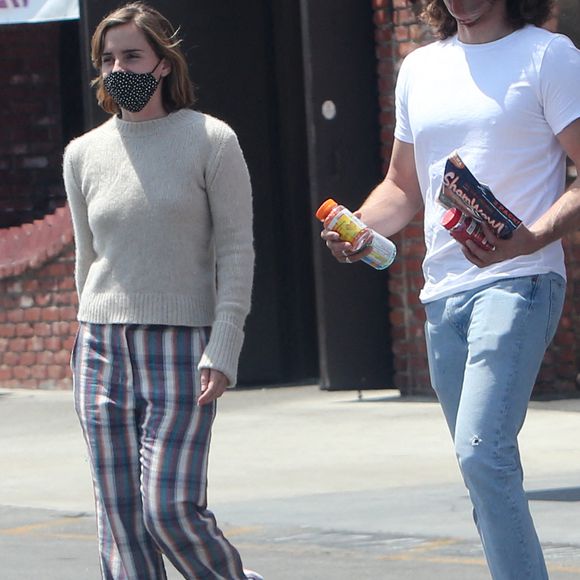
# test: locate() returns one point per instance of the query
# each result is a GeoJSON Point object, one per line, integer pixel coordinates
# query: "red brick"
{"type": "Point", "coordinates": [66, 283]}
{"type": "Point", "coordinates": [11, 358]}
{"type": "Point", "coordinates": [69, 313]}
{"type": "Point", "coordinates": [24, 330]}
{"type": "Point", "coordinates": [53, 343]}
{"type": "Point", "coordinates": [27, 358]}
{"type": "Point", "coordinates": [403, 17]}
{"type": "Point", "coordinates": [58, 270]}
{"type": "Point", "coordinates": [7, 330]}
{"type": "Point", "coordinates": [60, 328]}
{"type": "Point", "coordinates": [56, 372]}
{"type": "Point", "coordinates": [32, 314]}
{"type": "Point", "coordinates": [50, 314]}
{"type": "Point", "coordinates": [68, 343]}
{"type": "Point", "coordinates": [35, 344]}
{"type": "Point", "coordinates": [15, 315]}
{"type": "Point", "coordinates": [42, 329]}
{"type": "Point", "coordinates": [39, 372]}
{"type": "Point", "coordinates": [18, 344]}
{"type": "Point", "coordinates": [380, 18]}
{"type": "Point", "coordinates": [63, 299]}
{"type": "Point", "coordinates": [43, 299]}
{"type": "Point", "coordinates": [20, 372]}
{"type": "Point", "coordinates": [62, 357]}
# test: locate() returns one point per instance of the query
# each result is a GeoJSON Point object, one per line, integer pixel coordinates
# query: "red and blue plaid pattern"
{"type": "Point", "coordinates": [135, 394]}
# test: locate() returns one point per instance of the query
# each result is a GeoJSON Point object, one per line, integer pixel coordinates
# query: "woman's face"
{"type": "Point", "coordinates": [126, 49]}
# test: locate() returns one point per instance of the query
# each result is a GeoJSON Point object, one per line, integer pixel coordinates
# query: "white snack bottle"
{"type": "Point", "coordinates": [351, 229]}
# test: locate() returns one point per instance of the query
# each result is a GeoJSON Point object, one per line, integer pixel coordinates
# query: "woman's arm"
{"type": "Point", "coordinates": [84, 252]}
{"type": "Point", "coordinates": [230, 199]}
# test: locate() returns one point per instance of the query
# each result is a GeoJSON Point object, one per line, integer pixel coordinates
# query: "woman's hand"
{"type": "Point", "coordinates": [213, 385]}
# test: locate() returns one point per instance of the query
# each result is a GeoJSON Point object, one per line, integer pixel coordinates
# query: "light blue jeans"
{"type": "Point", "coordinates": [485, 349]}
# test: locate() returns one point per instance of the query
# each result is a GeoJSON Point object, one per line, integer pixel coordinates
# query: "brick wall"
{"type": "Point", "coordinates": [30, 122]}
{"type": "Point", "coordinates": [37, 298]}
{"type": "Point", "coordinates": [37, 325]}
{"type": "Point", "coordinates": [397, 33]}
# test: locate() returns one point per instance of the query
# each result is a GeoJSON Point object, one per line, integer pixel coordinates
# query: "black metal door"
{"type": "Point", "coordinates": [344, 162]}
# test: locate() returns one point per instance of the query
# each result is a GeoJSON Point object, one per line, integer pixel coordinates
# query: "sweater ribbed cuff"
{"type": "Point", "coordinates": [223, 350]}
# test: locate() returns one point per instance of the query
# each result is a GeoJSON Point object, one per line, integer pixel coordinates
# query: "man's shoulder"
{"type": "Point", "coordinates": [538, 38]}
{"type": "Point", "coordinates": [427, 52]}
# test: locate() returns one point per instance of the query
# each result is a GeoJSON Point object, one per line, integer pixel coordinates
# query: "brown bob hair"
{"type": "Point", "coordinates": [177, 89]}
{"type": "Point", "coordinates": [520, 13]}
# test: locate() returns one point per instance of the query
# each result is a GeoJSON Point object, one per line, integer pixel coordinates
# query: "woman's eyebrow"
{"type": "Point", "coordinates": [126, 51]}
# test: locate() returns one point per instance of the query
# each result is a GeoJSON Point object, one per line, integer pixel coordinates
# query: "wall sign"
{"type": "Point", "coordinates": [25, 11]}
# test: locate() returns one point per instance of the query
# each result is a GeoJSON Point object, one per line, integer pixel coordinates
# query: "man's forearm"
{"type": "Point", "coordinates": [561, 219]}
{"type": "Point", "coordinates": [388, 209]}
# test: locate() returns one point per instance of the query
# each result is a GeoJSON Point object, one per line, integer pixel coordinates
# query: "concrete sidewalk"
{"type": "Point", "coordinates": [308, 484]}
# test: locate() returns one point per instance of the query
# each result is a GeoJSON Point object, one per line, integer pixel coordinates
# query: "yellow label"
{"type": "Point", "coordinates": [346, 227]}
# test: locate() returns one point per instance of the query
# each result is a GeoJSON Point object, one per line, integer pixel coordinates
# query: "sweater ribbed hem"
{"type": "Point", "coordinates": [223, 350]}
{"type": "Point", "coordinates": [168, 309]}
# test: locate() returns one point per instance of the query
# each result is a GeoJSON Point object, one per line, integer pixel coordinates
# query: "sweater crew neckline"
{"type": "Point", "coordinates": [148, 128]}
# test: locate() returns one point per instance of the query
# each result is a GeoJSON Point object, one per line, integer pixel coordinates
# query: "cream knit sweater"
{"type": "Point", "coordinates": [162, 215]}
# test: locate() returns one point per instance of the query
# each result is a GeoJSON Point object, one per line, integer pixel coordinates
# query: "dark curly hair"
{"type": "Point", "coordinates": [520, 13]}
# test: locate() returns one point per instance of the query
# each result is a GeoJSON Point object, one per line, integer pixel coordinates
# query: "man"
{"type": "Point", "coordinates": [506, 95]}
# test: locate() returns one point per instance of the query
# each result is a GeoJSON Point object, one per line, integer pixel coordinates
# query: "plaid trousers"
{"type": "Point", "coordinates": [135, 393]}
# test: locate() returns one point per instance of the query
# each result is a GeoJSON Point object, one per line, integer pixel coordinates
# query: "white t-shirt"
{"type": "Point", "coordinates": [500, 105]}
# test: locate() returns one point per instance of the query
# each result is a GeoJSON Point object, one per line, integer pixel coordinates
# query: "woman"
{"type": "Point", "coordinates": [161, 204]}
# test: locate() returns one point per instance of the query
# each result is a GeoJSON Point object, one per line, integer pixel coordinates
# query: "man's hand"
{"type": "Point", "coordinates": [522, 242]}
{"type": "Point", "coordinates": [213, 385]}
{"type": "Point", "coordinates": [343, 251]}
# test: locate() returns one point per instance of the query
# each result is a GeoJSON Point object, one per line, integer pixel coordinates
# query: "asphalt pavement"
{"type": "Point", "coordinates": [308, 484]}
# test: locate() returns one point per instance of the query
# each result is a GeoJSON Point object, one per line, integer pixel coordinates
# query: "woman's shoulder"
{"type": "Point", "coordinates": [80, 143]}
{"type": "Point", "coordinates": [206, 124]}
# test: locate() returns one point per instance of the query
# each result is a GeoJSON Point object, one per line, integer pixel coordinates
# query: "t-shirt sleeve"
{"type": "Point", "coordinates": [560, 83]}
{"type": "Point", "coordinates": [402, 126]}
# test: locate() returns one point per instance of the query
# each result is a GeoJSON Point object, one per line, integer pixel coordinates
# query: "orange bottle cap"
{"type": "Point", "coordinates": [327, 206]}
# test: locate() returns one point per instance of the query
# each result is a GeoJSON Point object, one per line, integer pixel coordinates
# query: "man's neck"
{"type": "Point", "coordinates": [475, 35]}
{"type": "Point", "coordinates": [492, 25]}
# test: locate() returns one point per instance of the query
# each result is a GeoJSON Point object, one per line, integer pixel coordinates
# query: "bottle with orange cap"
{"type": "Point", "coordinates": [351, 229]}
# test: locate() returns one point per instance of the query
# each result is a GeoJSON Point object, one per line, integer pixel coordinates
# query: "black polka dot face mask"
{"type": "Point", "coordinates": [131, 91]}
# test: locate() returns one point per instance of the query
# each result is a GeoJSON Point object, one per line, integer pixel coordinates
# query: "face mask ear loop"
{"type": "Point", "coordinates": [156, 66]}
